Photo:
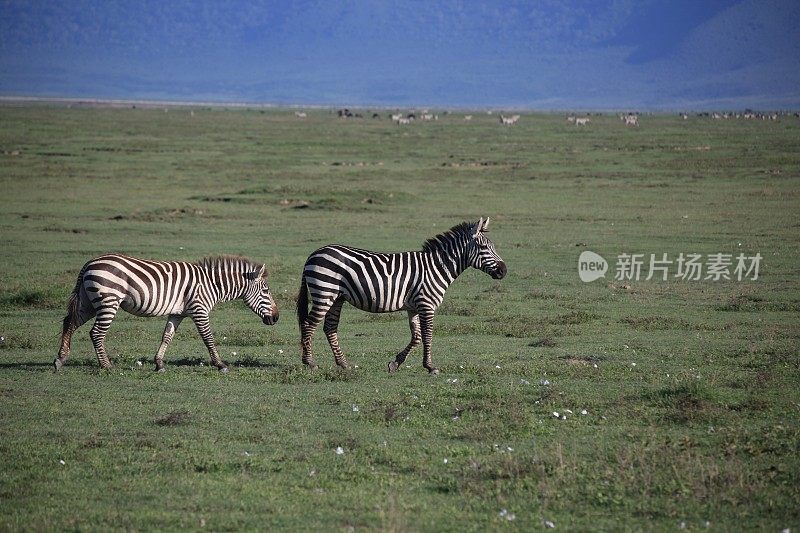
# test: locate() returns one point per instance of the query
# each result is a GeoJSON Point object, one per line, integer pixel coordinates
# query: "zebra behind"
{"type": "Point", "coordinates": [175, 289]}
{"type": "Point", "coordinates": [385, 282]}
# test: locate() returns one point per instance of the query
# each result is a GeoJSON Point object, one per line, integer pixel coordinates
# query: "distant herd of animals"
{"type": "Point", "coordinates": [629, 119]}
{"type": "Point", "coordinates": [413, 281]}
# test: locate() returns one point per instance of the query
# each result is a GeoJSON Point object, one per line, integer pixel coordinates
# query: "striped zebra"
{"type": "Point", "coordinates": [385, 282]}
{"type": "Point", "coordinates": [175, 289]}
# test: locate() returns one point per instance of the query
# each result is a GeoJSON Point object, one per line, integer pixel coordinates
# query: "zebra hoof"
{"type": "Point", "coordinates": [224, 369]}
{"type": "Point", "coordinates": [160, 369]}
{"type": "Point", "coordinates": [393, 366]}
{"type": "Point", "coordinates": [57, 364]}
{"type": "Point", "coordinates": [433, 371]}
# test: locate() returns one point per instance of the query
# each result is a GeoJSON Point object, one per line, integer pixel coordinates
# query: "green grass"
{"type": "Point", "coordinates": [703, 427]}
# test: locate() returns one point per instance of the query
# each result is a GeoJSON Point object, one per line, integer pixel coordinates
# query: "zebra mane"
{"type": "Point", "coordinates": [225, 262]}
{"type": "Point", "coordinates": [465, 229]}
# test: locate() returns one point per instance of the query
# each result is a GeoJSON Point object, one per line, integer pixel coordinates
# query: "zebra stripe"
{"type": "Point", "coordinates": [384, 282]}
{"type": "Point", "coordinates": [176, 289]}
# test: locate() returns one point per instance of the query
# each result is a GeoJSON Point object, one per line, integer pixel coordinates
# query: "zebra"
{"type": "Point", "coordinates": [385, 282]}
{"type": "Point", "coordinates": [175, 289]}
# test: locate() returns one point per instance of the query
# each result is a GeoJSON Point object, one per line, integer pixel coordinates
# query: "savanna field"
{"type": "Point", "coordinates": [690, 389]}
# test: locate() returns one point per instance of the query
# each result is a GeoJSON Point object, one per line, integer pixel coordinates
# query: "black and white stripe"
{"type": "Point", "coordinates": [385, 282]}
{"type": "Point", "coordinates": [175, 289]}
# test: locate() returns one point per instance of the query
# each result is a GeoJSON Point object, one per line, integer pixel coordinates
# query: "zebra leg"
{"type": "Point", "coordinates": [426, 325]}
{"type": "Point", "coordinates": [330, 326]}
{"type": "Point", "coordinates": [169, 330]}
{"type": "Point", "coordinates": [307, 328]}
{"type": "Point", "coordinates": [105, 315]}
{"type": "Point", "coordinates": [204, 328]}
{"type": "Point", "coordinates": [71, 323]}
{"type": "Point", "coordinates": [416, 338]}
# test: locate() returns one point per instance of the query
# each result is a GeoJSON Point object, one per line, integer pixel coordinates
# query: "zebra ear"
{"type": "Point", "coordinates": [257, 274]}
{"type": "Point", "coordinates": [486, 224]}
{"type": "Point", "coordinates": [478, 227]}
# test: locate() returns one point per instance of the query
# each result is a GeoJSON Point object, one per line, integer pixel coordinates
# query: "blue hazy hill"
{"type": "Point", "coordinates": [551, 54]}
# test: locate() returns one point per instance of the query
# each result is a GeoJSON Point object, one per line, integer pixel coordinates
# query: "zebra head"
{"type": "Point", "coordinates": [483, 256]}
{"type": "Point", "coordinates": [258, 298]}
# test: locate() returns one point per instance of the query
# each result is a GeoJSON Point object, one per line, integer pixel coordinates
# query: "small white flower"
{"type": "Point", "coordinates": [61, 461]}
{"type": "Point", "coordinates": [138, 363]}
{"type": "Point", "coordinates": [312, 472]}
{"type": "Point", "coordinates": [563, 417]}
{"type": "Point", "coordinates": [355, 366]}
{"type": "Point", "coordinates": [544, 382]}
{"type": "Point", "coordinates": [509, 448]}
{"type": "Point", "coordinates": [355, 408]}
{"type": "Point", "coordinates": [246, 454]}
{"type": "Point", "coordinates": [568, 411]}
{"type": "Point", "coordinates": [497, 366]}
{"type": "Point", "coordinates": [584, 412]}
{"type": "Point", "coordinates": [201, 363]}
{"type": "Point", "coordinates": [595, 365]}
{"type": "Point", "coordinates": [445, 460]}
{"type": "Point", "coordinates": [633, 364]}
{"type": "Point", "coordinates": [456, 379]}
{"type": "Point", "coordinates": [280, 351]}
{"type": "Point", "coordinates": [339, 450]}
{"type": "Point", "coordinates": [233, 353]}
{"type": "Point", "coordinates": [456, 417]}
{"type": "Point", "coordinates": [548, 523]}
{"type": "Point", "coordinates": [461, 367]}
{"type": "Point", "coordinates": [556, 414]}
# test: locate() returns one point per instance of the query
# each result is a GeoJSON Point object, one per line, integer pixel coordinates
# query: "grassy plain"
{"type": "Point", "coordinates": [691, 388]}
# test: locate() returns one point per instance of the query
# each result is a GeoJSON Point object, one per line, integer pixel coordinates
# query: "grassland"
{"type": "Point", "coordinates": [691, 389]}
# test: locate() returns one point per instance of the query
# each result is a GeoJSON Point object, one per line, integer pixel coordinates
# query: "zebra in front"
{"type": "Point", "coordinates": [385, 282]}
{"type": "Point", "coordinates": [175, 289]}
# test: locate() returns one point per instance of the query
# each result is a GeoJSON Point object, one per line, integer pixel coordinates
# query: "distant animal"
{"type": "Point", "coordinates": [299, 114]}
{"type": "Point", "coordinates": [344, 113]}
{"type": "Point", "coordinates": [175, 289]}
{"type": "Point", "coordinates": [397, 116]}
{"type": "Point", "coordinates": [571, 119]}
{"type": "Point", "coordinates": [376, 115]}
{"type": "Point", "coordinates": [383, 282]}
{"type": "Point", "coordinates": [403, 120]}
{"type": "Point", "coordinates": [508, 121]}
{"type": "Point", "coordinates": [631, 120]}
{"type": "Point", "coordinates": [582, 121]}
{"type": "Point", "coordinates": [467, 117]}
{"type": "Point", "coordinates": [411, 116]}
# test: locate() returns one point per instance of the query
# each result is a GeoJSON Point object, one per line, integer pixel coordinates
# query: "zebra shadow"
{"type": "Point", "coordinates": [47, 364]}
{"type": "Point", "coordinates": [243, 362]}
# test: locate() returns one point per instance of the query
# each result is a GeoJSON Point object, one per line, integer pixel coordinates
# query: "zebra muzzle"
{"type": "Point", "coordinates": [271, 319]}
{"type": "Point", "coordinates": [499, 272]}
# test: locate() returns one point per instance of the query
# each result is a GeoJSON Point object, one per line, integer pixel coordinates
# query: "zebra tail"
{"type": "Point", "coordinates": [74, 302]}
{"type": "Point", "coordinates": [302, 301]}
